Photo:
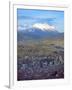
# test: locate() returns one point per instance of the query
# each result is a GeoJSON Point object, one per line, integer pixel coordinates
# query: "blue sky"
{"type": "Point", "coordinates": [27, 18]}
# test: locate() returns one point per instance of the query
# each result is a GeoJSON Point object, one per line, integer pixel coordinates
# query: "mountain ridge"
{"type": "Point", "coordinates": [37, 34]}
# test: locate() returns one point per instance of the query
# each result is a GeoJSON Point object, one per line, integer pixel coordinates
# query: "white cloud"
{"type": "Point", "coordinates": [23, 27]}
{"type": "Point", "coordinates": [20, 28]}
{"type": "Point", "coordinates": [44, 26]}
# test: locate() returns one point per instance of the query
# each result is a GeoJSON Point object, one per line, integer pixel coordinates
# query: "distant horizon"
{"type": "Point", "coordinates": [41, 19]}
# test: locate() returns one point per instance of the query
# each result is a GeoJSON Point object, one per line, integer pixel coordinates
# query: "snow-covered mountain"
{"type": "Point", "coordinates": [37, 26]}
{"type": "Point", "coordinates": [44, 27]}
{"type": "Point", "coordinates": [38, 31]}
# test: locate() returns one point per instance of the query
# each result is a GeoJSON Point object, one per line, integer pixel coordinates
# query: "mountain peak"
{"type": "Point", "coordinates": [44, 27]}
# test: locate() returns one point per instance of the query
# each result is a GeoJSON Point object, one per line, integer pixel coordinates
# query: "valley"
{"type": "Point", "coordinates": [40, 58]}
